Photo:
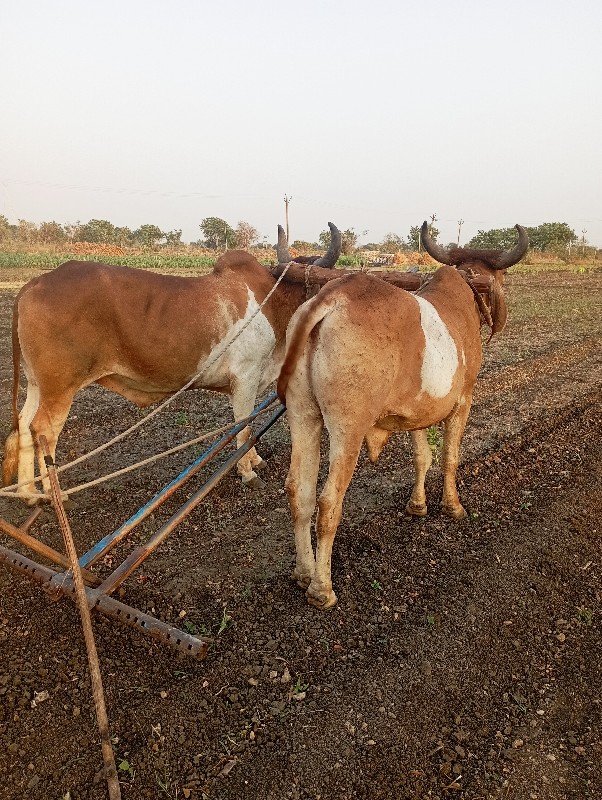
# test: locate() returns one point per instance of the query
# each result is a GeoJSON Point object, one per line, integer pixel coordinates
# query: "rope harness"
{"type": "Point", "coordinates": [10, 491]}
{"type": "Point", "coordinates": [484, 312]}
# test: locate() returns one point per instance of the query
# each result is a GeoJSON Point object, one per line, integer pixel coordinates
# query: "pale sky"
{"type": "Point", "coordinates": [373, 115]}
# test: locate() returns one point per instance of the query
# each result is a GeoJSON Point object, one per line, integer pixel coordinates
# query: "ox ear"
{"type": "Point", "coordinates": [499, 309]}
{"type": "Point", "coordinates": [282, 250]}
{"type": "Point", "coordinates": [330, 258]}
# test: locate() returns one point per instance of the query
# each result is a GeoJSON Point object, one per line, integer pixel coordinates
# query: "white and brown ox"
{"type": "Point", "coordinates": [144, 335]}
{"type": "Point", "coordinates": [366, 359]}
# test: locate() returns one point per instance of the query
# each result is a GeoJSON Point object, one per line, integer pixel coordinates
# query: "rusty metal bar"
{"type": "Point", "coordinates": [109, 607]}
{"type": "Point", "coordinates": [140, 554]}
{"type": "Point", "coordinates": [112, 539]}
{"type": "Point", "coordinates": [20, 535]}
{"type": "Point", "coordinates": [102, 719]}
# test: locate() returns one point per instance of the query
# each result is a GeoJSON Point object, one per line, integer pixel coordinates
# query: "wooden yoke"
{"type": "Point", "coordinates": [410, 281]}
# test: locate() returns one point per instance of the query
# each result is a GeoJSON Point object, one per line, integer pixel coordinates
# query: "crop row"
{"type": "Point", "coordinates": [148, 261]}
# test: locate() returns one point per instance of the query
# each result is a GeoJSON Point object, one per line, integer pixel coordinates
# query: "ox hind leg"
{"type": "Point", "coordinates": [48, 420]}
{"type": "Point", "coordinates": [422, 457]}
{"type": "Point", "coordinates": [26, 450]}
{"type": "Point", "coordinates": [454, 429]}
{"type": "Point", "coordinates": [306, 429]}
{"type": "Point", "coordinates": [243, 399]}
{"type": "Point", "coordinates": [344, 452]}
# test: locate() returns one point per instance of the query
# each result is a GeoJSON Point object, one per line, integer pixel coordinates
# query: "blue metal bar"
{"type": "Point", "coordinates": [112, 539]}
{"type": "Point", "coordinates": [140, 554]}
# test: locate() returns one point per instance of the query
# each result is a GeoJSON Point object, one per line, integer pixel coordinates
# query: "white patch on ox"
{"type": "Point", "coordinates": [440, 361]}
{"type": "Point", "coordinates": [248, 356]}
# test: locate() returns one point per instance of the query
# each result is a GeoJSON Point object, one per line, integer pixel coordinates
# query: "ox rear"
{"type": "Point", "coordinates": [365, 359]}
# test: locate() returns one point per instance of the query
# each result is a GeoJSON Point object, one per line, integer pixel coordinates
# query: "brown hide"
{"type": "Point", "coordinates": [149, 331]}
{"type": "Point", "coordinates": [143, 335]}
{"type": "Point", "coordinates": [384, 318]}
{"type": "Point", "coordinates": [358, 364]}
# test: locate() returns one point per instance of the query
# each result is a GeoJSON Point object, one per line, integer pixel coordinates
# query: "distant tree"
{"type": "Point", "coordinates": [246, 235]}
{"type": "Point", "coordinates": [5, 229]}
{"type": "Point", "coordinates": [391, 243]}
{"type": "Point", "coordinates": [99, 231]}
{"type": "Point", "coordinates": [548, 236]}
{"type": "Point", "coordinates": [51, 233]}
{"type": "Point", "coordinates": [305, 247]}
{"type": "Point", "coordinates": [173, 238]}
{"type": "Point", "coordinates": [122, 236]}
{"type": "Point", "coordinates": [26, 231]}
{"type": "Point", "coordinates": [71, 230]}
{"type": "Point", "coordinates": [413, 238]}
{"type": "Point", "coordinates": [148, 235]}
{"type": "Point", "coordinates": [217, 233]}
{"type": "Point", "coordinates": [494, 239]}
{"type": "Point", "coordinates": [348, 241]}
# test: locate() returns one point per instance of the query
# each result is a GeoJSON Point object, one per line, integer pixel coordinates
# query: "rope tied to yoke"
{"type": "Point", "coordinates": [10, 491]}
{"type": "Point", "coordinates": [484, 312]}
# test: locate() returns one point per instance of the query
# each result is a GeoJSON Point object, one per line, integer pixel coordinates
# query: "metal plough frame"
{"type": "Point", "coordinates": [98, 593]}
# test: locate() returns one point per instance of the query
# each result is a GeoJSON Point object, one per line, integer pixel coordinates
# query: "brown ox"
{"type": "Point", "coordinates": [366, 359]}
{"type": "Point", "coordinates": [144, 336]}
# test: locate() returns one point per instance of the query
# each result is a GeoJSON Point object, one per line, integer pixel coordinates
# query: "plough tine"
{"type": "Point", "coordinates": [140, 554]}
{"type": "Point", "coordinates": [20, 535]}
{"type": "Point", "coordinates": [109, 541]}
{"type": "Point", "coordinates": [109, 607]}
{"type": "Point", "coordinates": [102, 719]}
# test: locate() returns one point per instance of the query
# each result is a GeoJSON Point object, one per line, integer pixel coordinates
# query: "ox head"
{"type": "Point", "coordinates": [327, 261]}
{"type": "Point", "coordinates": [483, 262]}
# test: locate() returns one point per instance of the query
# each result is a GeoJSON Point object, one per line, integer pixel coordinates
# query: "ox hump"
{"type": "Point", "coordinates": [237, 260]}
{"type": "Point", "coordinates": [440, 360]}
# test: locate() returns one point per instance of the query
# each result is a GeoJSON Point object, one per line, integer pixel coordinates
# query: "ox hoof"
{"type": "Point", "coordinates": [32, 499]}
{"type": "Point", "coordinates": [416, 509]}
{"type": "Point", "coordinates": [261, 465]}
{"type": "Point", "coordinates": [302, 579]}
{"type": "Point", "coordinates": [253, 483]}
{"type": "Point", "coordinates": [320, 599]}
{"type": "Point", "coordinates": [455, 512]}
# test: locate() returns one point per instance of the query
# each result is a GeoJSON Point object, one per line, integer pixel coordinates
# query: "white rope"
{"type": "Point", "coordinates": [8, 491]}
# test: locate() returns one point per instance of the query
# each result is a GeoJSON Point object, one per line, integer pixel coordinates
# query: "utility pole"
{"type": "Point", "coordinates": [583, 232]}
{"type": "Point", "coordinates": [287, 200]}
{"type": "Point", "coordinates": [460, 223]}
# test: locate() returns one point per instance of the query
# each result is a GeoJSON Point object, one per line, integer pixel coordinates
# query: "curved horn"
{"type": "Point", "coordinates": [282, 247]}
{"type": "Point", "coordinates": [510, 257]}
{"type": "Point", "coordinates": [330, 258]}
{"type": "Point", "coordinates": [434, 250]}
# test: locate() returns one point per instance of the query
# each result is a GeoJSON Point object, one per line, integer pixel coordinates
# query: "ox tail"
{"type": "Point", "coordinates": [312, 314]}
{"type": "Point", "coordinates": [10, 460]}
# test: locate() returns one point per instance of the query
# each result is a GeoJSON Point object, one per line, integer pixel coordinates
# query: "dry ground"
{"type": "Point", "coordinates": [462, 661]}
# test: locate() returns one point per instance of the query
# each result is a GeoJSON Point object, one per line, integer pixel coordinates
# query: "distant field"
{"type": "Point", "coordinates": [202, 261]}
{"type": "Point", "coordinates": [146, 261]}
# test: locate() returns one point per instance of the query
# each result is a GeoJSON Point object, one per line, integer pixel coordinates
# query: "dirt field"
{"type": "Point", "coordinates": [462, 660]}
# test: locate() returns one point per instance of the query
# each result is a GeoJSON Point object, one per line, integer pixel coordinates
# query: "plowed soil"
{"type": "Point", "coordinates": [462, 660]}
